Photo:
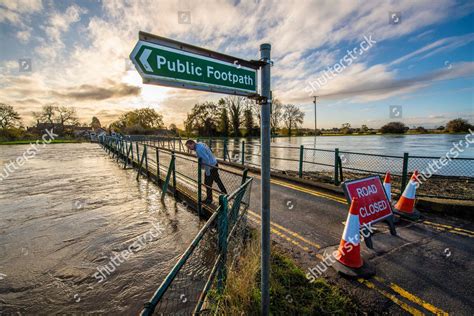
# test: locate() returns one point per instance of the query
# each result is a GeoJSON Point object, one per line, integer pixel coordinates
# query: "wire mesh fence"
{"type": "Point", "coordinates": [204, 264]}
{"type": "Point", "coordinates": [452, 179]}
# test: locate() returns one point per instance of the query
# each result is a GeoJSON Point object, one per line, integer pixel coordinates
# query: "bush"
{"type": "Point", "coordinates": [458, 125]}
{"type": "Point", "coordinates": [10, 134]}
{"type": "Point", "coordinates": [394, 128]}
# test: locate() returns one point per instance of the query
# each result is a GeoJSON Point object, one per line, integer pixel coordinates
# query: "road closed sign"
{"type": "Point", "coordinates": [374, 204]}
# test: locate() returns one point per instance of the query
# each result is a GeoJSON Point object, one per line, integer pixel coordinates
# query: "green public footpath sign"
{"type": "Point", "coordinates": [164, 65]}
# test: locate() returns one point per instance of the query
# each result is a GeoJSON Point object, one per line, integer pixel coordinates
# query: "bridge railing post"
{"type": "Point", "coordinates": [199, 188]}
{"type": "Point", "coordinates": [140, 165]}
{"type": "Point", "coordinates": [175, 190]}
{"type": "Point", "coordinates": [158, 178]}
{"type": "Point", "coordinates": [138, 153]}
{"type": "Point", "coordinates": [222, 228]}
{"type": "Point", "coordinates": [145, 152]}
{"type": "Point", "coordinates": [168, 177]}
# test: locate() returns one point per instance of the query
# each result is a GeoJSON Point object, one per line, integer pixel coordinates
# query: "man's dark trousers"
{"type": "Point", "coordinates": [209, 180]}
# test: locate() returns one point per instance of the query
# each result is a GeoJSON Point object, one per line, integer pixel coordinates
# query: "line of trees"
{"type": "Point", "coordinates": [239, 116]}
{"type": "Point", "coordinates": [139, 121]}
{"type": "Point", "coordinates": [63, 119]}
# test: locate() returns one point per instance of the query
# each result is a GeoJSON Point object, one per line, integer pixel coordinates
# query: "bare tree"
{"type": "Point", "coordinates": [276, 115]}
{"type": "Point", "coordinates": [47, 114]}
{"type": "Point", "coordinates": [8, 116]}
{"type": "Point", "coordinates": [292, 116]}
{"type": "Point", "coordinates": [66, 115]}
{"type": "Point", "coordinates": [236, 109]}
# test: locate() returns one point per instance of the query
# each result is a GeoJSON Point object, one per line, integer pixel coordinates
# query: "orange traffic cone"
{"type": "Point", "coordinates": [349, 261]}
{"type": "Point", "coordinates": [406, 205]}
{"type": "Point", "coordinates": [388, 186]}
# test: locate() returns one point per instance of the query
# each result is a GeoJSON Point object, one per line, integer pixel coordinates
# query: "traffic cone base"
{"type": "Point", "coordinates": [348, 259]}
{"type": "Point", "coordinates": [414, 215]}
{"type": "Point", "coordinates": [366, 270]}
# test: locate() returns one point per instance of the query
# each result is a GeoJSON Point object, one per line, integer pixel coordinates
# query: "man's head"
{"type": "Point", "coordinates": [191, 144]}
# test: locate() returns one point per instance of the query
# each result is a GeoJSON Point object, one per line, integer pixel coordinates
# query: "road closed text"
{"type": "Point", "coordinates": [374, 207]}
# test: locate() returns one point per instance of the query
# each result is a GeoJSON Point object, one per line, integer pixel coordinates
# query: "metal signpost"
{"type": "Point", "coordinates": [167, 62]}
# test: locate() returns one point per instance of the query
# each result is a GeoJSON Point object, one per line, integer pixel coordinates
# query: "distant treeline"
{"type": "Point", "coordinates": [229, 117]}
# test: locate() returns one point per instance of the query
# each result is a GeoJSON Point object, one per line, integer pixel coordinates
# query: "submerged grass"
{"type": "Point", "coordinates": [290, 291]}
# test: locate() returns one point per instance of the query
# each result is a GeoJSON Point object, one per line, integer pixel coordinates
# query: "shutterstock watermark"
{"type": "Point", "coordinates": [331, 258]}
{"type": "Point", "coordinates": [31, 152]}
{"type": "Point", "coordinates": [332, 71]}
{"type": "Point", "coordinates": [106, 270]}
{"type": "Point", "coordinates": [436, 165]}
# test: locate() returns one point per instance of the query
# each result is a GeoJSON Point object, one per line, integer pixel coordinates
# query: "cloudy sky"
{"type": "Point", "coordinates": [420, 57]}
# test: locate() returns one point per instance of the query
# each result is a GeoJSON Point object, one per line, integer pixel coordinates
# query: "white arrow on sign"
{"type": "Point", "coordinates": [144, 59]}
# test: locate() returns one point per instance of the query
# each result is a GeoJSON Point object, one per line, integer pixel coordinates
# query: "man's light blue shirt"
{"type": "Point", "coordinates": [207, 158]}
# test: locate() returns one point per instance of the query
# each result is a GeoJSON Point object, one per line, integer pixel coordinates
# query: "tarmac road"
{"type": "Point", "coordinates": [426, 269]}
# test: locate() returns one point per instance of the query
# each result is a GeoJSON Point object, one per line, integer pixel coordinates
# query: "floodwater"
{"type": "Point", "coordinates": [72, 211]}
{"type": "Point", "coordinates": [286, 152]}
{"type": "Point", "coordinates": [392, 145]}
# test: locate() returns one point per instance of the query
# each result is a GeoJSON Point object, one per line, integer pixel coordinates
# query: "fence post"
{"type": "Point", "coordinates": [225, 149]}
{"type": "Point", "coordinates": [336, 165]}
{"type": "Point", "coordinates": [300, 169]}
{"type": "Point", "coordinates": [339, 161]}
{"type": "Point", "coordinates": [158, 179]}
{"type": "Point", "coordinates": [404, 172]}
{"type": "Point", "coordinates": [131, 150]}
{"type": "Point", "coordinates": [199, 188]}
{"type": "Point", "coordinates": [222, 228]}
{"type": "Point", "coordinates": [242, 160]}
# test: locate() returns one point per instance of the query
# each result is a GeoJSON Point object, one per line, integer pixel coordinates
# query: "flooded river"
{"type": "Point", "coordinates": [79, 234]}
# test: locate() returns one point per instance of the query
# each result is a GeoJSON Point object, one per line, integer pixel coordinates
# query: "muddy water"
{"type": "Point", "coordinates": [70, 212]}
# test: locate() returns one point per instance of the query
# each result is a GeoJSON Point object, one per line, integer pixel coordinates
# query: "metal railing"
{"type": "Point", "coordinates": [205, 262]}
{"type": "Point", "coordinates": [454, 180]}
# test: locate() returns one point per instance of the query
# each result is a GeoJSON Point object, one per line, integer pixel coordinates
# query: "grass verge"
{"type": "Point", "coordinates": [290, 292]}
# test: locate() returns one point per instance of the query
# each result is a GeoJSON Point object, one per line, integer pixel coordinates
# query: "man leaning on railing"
{"type": "Point", "coordinates": [210, 166]}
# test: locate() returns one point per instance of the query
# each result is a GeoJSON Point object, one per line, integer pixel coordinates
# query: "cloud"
{"type": "Point", "coordinates": [75, 64]}
{"type": "Point", "coordinates": [377, 83]}
{"type": "Point", "coordinates": [115, 90]}
{"type": "Point", "coordinates": [14, 11]}
{"type": "Point", "coordinates": [442, 45]}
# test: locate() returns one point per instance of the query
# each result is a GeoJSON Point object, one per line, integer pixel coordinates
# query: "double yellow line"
{"type": "Point", "coordinates": [300, 241]}
{"type": "Point", "coordinates": [451, 229]}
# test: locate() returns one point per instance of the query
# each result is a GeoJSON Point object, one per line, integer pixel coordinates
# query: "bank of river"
{"type": "Point", "coordinates": [71, 210]}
